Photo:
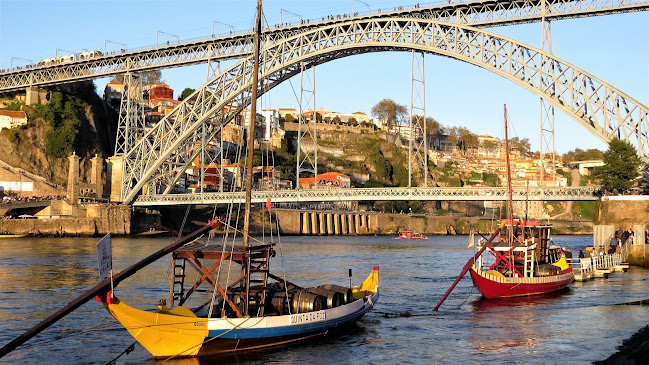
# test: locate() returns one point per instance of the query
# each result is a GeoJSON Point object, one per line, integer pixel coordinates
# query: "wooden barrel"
{"type": "Point", "coordinates": [333, 298]}
{"type": "Point", "coordinates": [304, 301]}
{"type": "Point", "coordinates": [280, 302]}
{"type": "Point", "coordinates": [345, 291]}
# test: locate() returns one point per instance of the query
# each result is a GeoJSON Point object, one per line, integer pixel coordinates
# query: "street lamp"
{"type": "Point", "coordinates": [158, 33]}
{"type": "Point", "coordinates": [363, 2]}
{"type": "Point", "coordinates": [281, 13]}
{"type": "Point", "coordinates": [216, 21]}
{"type": "Point", "coordinates": [109, 41]}
{"type": "Point", "coordinates": [19, 58]}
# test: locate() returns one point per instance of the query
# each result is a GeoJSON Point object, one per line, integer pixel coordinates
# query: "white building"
{"type": "Point", "coordinates": [271, 122]}
{"type": "Point", "coordinates": [12, 119]}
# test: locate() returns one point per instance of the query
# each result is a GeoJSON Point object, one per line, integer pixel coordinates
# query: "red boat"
{"type": "Point", "coordinates": [520, 262]}
{"type": "Point", "coordinates": [410, 235]}
{"type": "Point", "coordinates": [526, 267]}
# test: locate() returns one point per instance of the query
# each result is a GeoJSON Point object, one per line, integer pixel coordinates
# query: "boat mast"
{"type": "Point", "coordinates": [509, 182]}
{"type": "Point", "coordinates": [251, 127]}
{"type": "Point", "coordinates": [245, 266]}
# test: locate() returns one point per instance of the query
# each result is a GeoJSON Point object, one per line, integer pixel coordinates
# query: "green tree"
{"type": "Point", "coordinates": [388, 109]}
{"type": "Point", "coordinates": [148, 77]}
{"type": "Point", "coordinates": [583, 155]}
{"type": "Point", "coordinates": [522, 145]}
{"type": "Point", "coordinates": [289, 118]}
{"type": "Point", "coordinates": [188, 91]}
{"type": "Point", "coordinates": [621, 165]}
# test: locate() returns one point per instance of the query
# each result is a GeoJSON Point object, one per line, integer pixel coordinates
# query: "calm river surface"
{"type": "Point", "coordinates": [579, 325]}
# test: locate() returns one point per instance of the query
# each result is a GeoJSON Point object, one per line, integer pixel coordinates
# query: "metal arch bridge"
{"type": "Point", "coordinates": [374, 194]}
{"type": "Point", "coordinates": [161, 156]}
{"type": "Point", "coordinates": [479, 14]}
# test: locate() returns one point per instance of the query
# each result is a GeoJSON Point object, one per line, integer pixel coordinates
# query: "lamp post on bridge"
{"type": "Point", "coordinates": [64, 50]}
{"type": "Point", "coordinates": [216, 21]}
{"type": "Point", "coordinates": [19, 58]}
{"type": "Point", "coordinates": [158, 34]}
{"type": "Point", "coordinates": [281, 15]}
{"type": "Point", "coordinates": [109, 41]}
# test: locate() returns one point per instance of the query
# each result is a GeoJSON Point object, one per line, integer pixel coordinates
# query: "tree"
{"type": "Point", "coordinates": [185, 93]}
{"type": "Point", "coordinates": [522, 145]}
{"type": "Point", "coordinates": [352, 121]}
{"type": "Point", "coordinates": [148, 77]}
{"type": "Point", "coordinates": [388, 109]}
{"type": "Point", "coordinates": [289, 118]}
{"type": "Point", "coordinates": [580, 155]}
{"type": "Point", "coordinates": [621, 165]}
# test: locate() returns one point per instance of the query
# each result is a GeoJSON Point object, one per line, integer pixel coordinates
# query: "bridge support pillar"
{"type": "Point", "coordinates": [95, 175]}
{"type": "Point", "coordinates": [73, 179]}
{"type": "Point", "coordinates": [321, 219]}
{"type": "Point", "coordinates": [34, 95]}
{"type": "Point", "coordinates": [115, 171]}
{"type": "Point", "coordinates": [330, 228]}
{"type": "Point", "coordinates": [358, 223]}
{"type": "Point", "coordinates": [314, 223]}
{"type": "Point", "coordinates": [306, 223]}
{"type": "Point", "coordinates": [337, 224]}
{"type": "Point", "coordinates": [344, 225]}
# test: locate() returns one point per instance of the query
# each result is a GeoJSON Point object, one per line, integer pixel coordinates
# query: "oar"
{"type": "Point", "coordinates": [103, 287]}
{"type": "Point", "coordinates": [468, 265]}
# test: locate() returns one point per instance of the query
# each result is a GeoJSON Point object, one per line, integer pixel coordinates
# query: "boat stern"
{"type": "Point", "coordinates": [369, 287]}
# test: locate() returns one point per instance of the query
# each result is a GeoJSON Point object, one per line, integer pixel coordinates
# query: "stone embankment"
{"type": "Point", "coordinates": [303, 222]}
{"type": "Point", "coordinates": [99, 220]}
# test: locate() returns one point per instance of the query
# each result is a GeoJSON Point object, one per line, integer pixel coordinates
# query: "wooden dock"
{"type": "Point", "coordinates": [600, 266]}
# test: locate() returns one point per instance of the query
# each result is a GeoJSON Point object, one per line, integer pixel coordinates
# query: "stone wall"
{"type": "Point", "coordinates": [623, 213]}
{"type": "Point", "coordinates": [99, 220]}
{"type": "Point", "coordinates": [351, 223]}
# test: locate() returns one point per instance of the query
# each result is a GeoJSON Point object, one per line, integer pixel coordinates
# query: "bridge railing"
{"type": "Point", "coordinates": [370, 194]}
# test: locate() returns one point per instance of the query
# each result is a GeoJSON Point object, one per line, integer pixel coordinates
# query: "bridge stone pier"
{"type": "Point", "coordinates": [326, 223]}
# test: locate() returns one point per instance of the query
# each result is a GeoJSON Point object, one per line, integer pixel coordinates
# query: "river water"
{"type": "Point", "coordinates": [578, 325]}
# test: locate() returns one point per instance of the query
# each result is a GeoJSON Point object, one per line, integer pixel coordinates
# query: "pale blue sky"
{"type": "Point", "coordinates": [614, 48]}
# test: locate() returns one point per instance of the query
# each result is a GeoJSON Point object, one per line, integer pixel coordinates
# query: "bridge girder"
{"type": "Point", "coordinates": [599, 107]}
{"type": "Point", "coordinates": [580, 193]}
{"type": "Point", "coordinates": [475, 13]}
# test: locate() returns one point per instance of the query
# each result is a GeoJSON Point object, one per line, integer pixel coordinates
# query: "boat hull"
{"type": "Point", "coordinates": [165, 335]}
{"type": "Point", "coordinates": [492, 287]}
{"type": "Point", "coordinates": [178, 332]}
{"type": "Point", "coordinates": [246, 340]}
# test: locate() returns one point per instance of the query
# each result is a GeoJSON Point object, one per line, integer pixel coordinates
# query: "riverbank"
{"type": "Point", "coordinates": [125, 221]}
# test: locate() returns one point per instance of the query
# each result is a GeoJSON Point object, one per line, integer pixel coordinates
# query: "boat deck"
{"type": "Point", "coordinates": [217, 252]}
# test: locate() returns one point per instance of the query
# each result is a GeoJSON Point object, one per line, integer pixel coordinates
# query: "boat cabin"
{"type": "Point", "coordinates": [522, 250]}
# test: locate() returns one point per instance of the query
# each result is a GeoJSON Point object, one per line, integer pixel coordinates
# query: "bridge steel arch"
{"type": "Point", "coordinates": [477, 13]}
{"type": "Point", "coordinates": [600, 108]}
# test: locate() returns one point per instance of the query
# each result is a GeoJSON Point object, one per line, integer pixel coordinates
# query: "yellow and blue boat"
{"type": "Point", "coordinates": [289, 314]}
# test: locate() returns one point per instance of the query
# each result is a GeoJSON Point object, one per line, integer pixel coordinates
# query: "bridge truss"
{"type": "Point", "coordinates": [373, 194]}
{"type": "Point", "coordinates": [478, 14]}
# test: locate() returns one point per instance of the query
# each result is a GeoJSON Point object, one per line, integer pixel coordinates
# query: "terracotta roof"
{"type": "Point", "coordinates": [359, 113]}
{"type": "Point", "coordinates": [115, 82]}
{"type": "Point", "coordinates": [13, 114]}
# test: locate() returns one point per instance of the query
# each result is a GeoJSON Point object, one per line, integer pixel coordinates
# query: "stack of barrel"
{"type": "Point", "coordinates": [303, 300]}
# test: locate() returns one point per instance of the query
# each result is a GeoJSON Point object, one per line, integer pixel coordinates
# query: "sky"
{"type": "Point", "coordinates": [613, 48]}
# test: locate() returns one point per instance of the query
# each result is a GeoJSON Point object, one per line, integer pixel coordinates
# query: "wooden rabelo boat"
{"type": "Point", "coordinates": [526, 266]}
{"type": "Point", "coordinates": [520, 262]}
{"type": "Point", "coordinates": [407, 234]}
{"type": "Point", "coordinates": [246, 309]}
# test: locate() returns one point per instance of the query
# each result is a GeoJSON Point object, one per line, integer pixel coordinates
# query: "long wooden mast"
{"type": "Point", "coordinates": [251, 128]}
{"type": "Point", "coordinates": [509, 182]}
